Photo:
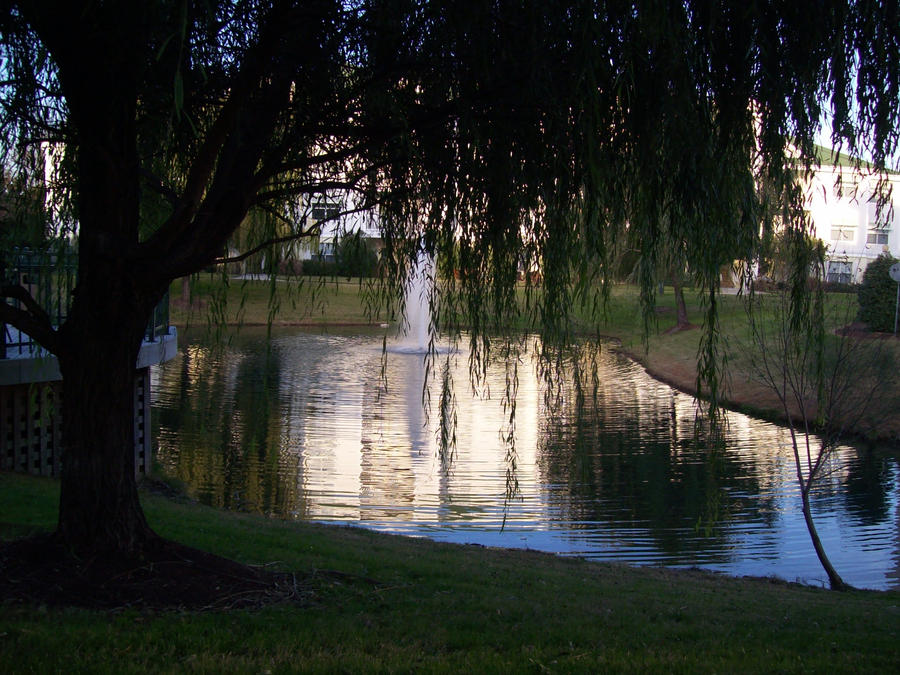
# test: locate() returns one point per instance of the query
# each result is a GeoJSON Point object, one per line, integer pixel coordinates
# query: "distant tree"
{"type": "Point", "coordinates": [355, 256]}
{"type": "Point", "coordinates": [669, 268]}
{"type": "Point", "coordinates": [878, 294]}
{"type": "Point", "coordinates": [498, 136]}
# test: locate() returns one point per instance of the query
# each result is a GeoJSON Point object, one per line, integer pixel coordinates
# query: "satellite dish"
{"type": "Point", "coordinates": [895, 272]}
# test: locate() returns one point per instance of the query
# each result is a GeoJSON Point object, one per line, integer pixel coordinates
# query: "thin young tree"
{"type": "Point", "coordinates": [824, 383]}
{"type": "Point", "coordinates": [496, 136]}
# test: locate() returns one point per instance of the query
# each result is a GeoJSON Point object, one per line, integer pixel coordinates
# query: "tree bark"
{"type": "Point", "coordinates": [99, 509]}
{"type": "Point", "coordinates": [681, 315]}
{"type": "Point", "coordinates": [834, 579]}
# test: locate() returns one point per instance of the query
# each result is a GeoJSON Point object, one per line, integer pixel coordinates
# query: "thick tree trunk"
{"type": "Point", "coordinates": [99, 509]}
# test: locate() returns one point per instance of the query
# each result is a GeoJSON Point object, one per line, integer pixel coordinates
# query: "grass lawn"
{"type": "Point", "coordinates": [384, 603]}
{"type": "Point", "coordinates": [308, 301]}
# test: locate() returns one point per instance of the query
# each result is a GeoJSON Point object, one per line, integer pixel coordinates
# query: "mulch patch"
{"type": "Point", "coordinates": [679, 329]}
{"type": "Point", "coordinates": [166, 576]}
{"type": "Point", "coordinates": [860, 331]}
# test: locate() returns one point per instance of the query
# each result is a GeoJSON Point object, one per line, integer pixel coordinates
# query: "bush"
{"type": "Point", "coordinates": [878, 295]}
{"type": "Point", "coordinates": [290, 267]}
{"type": "Point", "coordinates": [840, 287]}
{"type": "Point", "coordinates": [320, 268]}
{"type": "Point", "coordinates": [354, 257]}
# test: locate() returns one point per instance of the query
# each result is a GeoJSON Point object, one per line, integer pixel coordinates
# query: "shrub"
{"type": "Point", "coordinates": [878, 295]}
{"type": "Point", "coordinates": [354, 257]}
{"type": "Point", "coordinates": [320, 268]}
{"type": "Point", "coordinates": [840, 287]}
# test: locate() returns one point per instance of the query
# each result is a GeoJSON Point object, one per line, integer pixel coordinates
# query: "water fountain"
{"type": "Point", "coordinates": [413, 337]}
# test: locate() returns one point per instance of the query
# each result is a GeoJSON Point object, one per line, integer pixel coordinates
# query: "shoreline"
{"type": "Point", "coordinates": [761, 403]}
{"type": "Point", "coordinates": [756, 401]}
{"type": "Point", "coordinates": [371, 601]}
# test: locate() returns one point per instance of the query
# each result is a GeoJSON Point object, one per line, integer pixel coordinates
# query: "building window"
{"type": "Point", "coordinates": [877, 236]}
{"type": "Point", "coordinates": [839, 271]}
{"type": "Point", "coordinates": [846, 185]}
{"type": "Point", "coordinates": [879, 228]}
{"type": "Point", "coordinates": [842, 231]}
{"type": "Point", "coordinates": [326, 251]}
{"type": "Point", "coordinates": [325, 211]}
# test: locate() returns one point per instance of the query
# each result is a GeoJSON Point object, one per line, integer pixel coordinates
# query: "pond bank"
{"type": "Point", "coordinates": [752, 397]}
{"type": "Point", "coordinates": [378, 602]}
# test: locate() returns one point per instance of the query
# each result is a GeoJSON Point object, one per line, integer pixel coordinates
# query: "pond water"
{"type": "Point", "coordinates": [325, 427]}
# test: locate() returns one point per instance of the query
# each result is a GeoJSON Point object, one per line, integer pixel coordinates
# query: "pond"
{"type": "Point", "coordinates": [326, 427]}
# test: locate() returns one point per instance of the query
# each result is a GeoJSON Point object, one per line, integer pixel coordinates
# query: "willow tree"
{"type": "Point", "coordinates": [498, 136]}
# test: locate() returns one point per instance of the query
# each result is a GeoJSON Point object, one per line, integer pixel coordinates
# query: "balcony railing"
{"type": "Point", "coordinates": [50, 276]}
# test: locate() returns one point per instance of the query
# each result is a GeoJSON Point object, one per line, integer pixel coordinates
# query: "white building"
{"type": "Point", "coordinates": [842, 201]}
{"type": "Point", "coordinates": [336, 215]}
{"type": "Point", "coordinates": [323, 219]}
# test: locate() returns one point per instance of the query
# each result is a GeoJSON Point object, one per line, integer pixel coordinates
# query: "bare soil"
{"type": "Point", "coordinates": [165, 576]}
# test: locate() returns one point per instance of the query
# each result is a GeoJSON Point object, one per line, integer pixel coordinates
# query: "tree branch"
{"type": "Point", "coordinates": [308, 232]}
{"type": "Point", "coordinates": [296, 189]}
{"type": "Point", "coordinates": [311, 231]}
{"type": "Point", "coordinates": [32, 320]}
{"type": "Point", "coordinates": [222, 178]}
{"type": "Point", "coordinates": [156, 184]}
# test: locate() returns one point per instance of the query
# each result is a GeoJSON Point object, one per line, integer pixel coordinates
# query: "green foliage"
{"type": "Point", "coordinates": [878, 295]}
{"type": "Point", "coordinates": [24, 218]}
{"type": "Point", "coordinates": [779, 256]}
{"type": "Point", "coordinates": [317, 267]}
{"type": "Point", "coordinates": [840, 287]}
{"type": "Point", "coordinates": [509, 139]}
{"type": "Point", "coordinates": [354, 258]}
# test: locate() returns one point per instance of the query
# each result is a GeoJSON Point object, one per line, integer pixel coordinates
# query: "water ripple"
{"type": "Point", "coordinates": [314, 427]}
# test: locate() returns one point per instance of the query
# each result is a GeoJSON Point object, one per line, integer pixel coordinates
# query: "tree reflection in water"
{"type": "Point", "coordinates": [304, 427]}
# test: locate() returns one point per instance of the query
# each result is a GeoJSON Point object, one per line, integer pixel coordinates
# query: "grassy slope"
{"type": "Point", "coordinates": [672, 357]}
{"type": "Point", "coordinates": [405, 604]}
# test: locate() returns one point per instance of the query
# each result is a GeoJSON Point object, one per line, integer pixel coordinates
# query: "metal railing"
{"type": "Point", "coordinates": [159, 320]}
{"type": "Point", "coordinates": [49, 275]}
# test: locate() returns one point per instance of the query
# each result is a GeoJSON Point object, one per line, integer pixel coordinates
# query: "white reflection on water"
{"type": "Point", "coordinates": [311, 430]}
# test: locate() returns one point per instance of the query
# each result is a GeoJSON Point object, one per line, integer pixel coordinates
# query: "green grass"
{"type": "Point", "coordinates": [309, 301]}
{"type": "Point", "coordinates": [441, 607]}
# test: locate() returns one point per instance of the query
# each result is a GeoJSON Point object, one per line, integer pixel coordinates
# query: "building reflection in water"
{"type": "Point", "coordinates": [309, 426]}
